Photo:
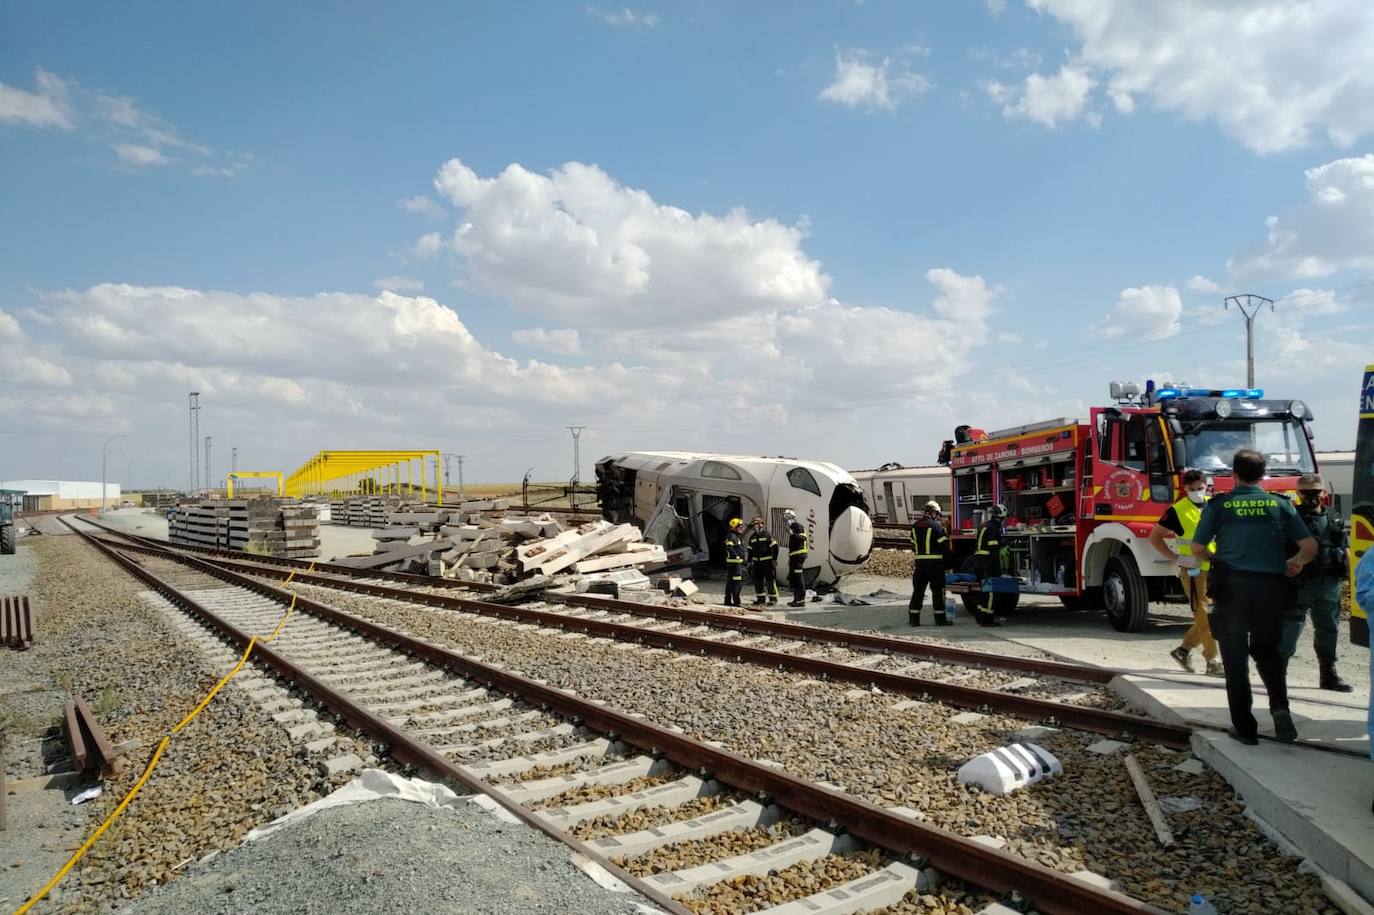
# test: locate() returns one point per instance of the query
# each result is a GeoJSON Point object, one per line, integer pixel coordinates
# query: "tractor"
{"type": "Point", "coordinates": [7, 531]}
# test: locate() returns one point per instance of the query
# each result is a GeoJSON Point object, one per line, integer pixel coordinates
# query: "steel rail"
{"type": "Point", "coordinates": [402, 747]}
{"type": "Point", "coordinates": [746, 623]}
{"type": "Point", "coordinates": [973, 862]}
{"type": "Point", "coordinates": [1082, 717]}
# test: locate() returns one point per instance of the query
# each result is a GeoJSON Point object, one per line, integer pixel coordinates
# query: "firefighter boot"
{"type": "Point", "coordinates": [1332, 680]}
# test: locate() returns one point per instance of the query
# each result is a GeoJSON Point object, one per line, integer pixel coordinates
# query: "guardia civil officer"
{"type": "Point", "coordinates": [1249, 586]}
{"type": "Point", "coordinates": [763, 556]}
{"type": "Point", "coordinates": [1319, 584]}
{"type": "Point", "coordinates": [735, 556]}
{"type": "Point", "coordinates": [796, 558]}
{"type": "Point", "coordinates": [987, 561]}
{"type": "Point", "coordinates": [930, 548]}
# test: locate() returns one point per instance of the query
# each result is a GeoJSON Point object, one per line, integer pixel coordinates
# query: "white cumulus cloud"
{"type": "Point", "coordinates": [1200, 283]}
{"type": "Point", "coordinates": [1153, 310]}
{"type": "Point", "coordinates": [50, 106]}
{"type": "Point", "coordinates": [1049, 100]}
{"type": "Point", "coordinates": [133, 155]}
{"type": "Point", "coordinates": [138, 138]}
{"type": "Point", "coordinates": [564, 342]}
{"type": "Point", "coordinates": [1275, 75]}
{"type": "Point", "coordinates": [579, 246]}
{"type": "Point", "coordinates": [1330, 233]}
{"type": "Point", "coordinates": [399, 284]}
{"type": "Point", "coordinates": [625, 17]}
{"type": "Point", "coordinates": [863, 82]}
{"type": "Point", "coordinates": [421, 205]}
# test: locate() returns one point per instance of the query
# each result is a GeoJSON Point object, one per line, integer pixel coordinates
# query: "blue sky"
{"type": "Point", "coordinates": [969, 211]}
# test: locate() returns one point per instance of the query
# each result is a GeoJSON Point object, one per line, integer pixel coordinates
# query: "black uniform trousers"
{"type": "Point", "coordinates": [734, 583]}
{"type": "Point", "coordinates": [1247, 622]}
{"type": "Point", "coordinates": [928, 573]}
{"type": "Point", "coordinates": [985, 566]}
{"type": "Point", "coordinates": [765, 578]}
{"type": "Point", "coordinates": [794, 581]}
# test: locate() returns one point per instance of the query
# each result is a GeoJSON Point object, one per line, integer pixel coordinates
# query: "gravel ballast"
{"type": "Point", "coordinates": [1088, 818]}
{"type": "Point", "coordinates": [391, 856]}
{"type": "Point", "coordinates": [229, 771]}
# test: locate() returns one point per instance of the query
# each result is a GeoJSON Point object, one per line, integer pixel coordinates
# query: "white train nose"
{"type": "Point", "coordinates": [851, 537]}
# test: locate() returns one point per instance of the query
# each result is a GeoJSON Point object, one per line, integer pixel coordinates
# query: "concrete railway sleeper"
{"type": "Point", "coordinates": [745, 623]}
{"type": "Point", "coordinates": [907, 679]}
{"type": "Point", "coordinates": [558, 762]}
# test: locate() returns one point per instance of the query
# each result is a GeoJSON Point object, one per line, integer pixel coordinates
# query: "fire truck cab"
{"type": "Point", "coordinates": [1081, 497]}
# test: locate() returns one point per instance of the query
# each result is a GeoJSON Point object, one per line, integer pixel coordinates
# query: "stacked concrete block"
{"type": "Point", "coordinates": [270, 527]}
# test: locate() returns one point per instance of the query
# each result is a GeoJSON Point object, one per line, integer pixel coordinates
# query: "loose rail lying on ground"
{"type": "Point", "coordinates": [90, 747]}
{"type": "Point", "coordinates": [16, 622]}
{"type": "Point", "coordinates": [973, 862]}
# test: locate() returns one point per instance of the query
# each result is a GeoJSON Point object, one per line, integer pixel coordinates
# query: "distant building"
{"type": "Point", "coordinates": [51, 495]}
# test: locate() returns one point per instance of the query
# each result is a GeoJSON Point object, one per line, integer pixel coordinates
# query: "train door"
{"type": "Point", "coordinates": [898, 511]}
{"type": "Point", "coordinates": [715, 514]}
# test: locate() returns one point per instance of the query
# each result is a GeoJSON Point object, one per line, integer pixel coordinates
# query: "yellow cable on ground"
{"type": "Point", "coordinates": [152, 763]}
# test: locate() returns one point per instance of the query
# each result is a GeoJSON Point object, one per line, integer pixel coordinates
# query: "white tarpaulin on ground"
{"type": "Point", "coordinates": [372, 785]}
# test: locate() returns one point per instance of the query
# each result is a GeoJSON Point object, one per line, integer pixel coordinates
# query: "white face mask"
{"type": "Point", "coordinates": [1198, 496]}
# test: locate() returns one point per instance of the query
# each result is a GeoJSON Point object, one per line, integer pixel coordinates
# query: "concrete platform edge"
{"type": "Point", "coordinates": [1140, 699]}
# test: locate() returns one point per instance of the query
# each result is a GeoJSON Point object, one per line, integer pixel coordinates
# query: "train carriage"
{"type": "Point", "coordinates": [684, 499]}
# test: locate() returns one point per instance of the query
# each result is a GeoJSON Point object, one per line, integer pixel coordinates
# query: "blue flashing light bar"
{"type": "Point", "coordinates": [1246, 393]}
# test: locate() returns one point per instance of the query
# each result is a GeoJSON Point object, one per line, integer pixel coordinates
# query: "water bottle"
{"type": "Point", "coordinates": [1200, 906]}
{"type": "Point", "coordinates": [949, 609]}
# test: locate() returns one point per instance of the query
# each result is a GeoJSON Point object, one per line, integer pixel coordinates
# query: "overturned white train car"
{"type": "Point", "coordinates": [687, 500]}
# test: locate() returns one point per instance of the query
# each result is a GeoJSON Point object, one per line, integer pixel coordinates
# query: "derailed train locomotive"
{"type": "Point", "coordinates": [681, 499]}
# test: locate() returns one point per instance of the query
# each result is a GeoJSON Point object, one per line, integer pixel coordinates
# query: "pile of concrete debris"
{"type": "Point", "coordinates": [270, 527]}
{"type": "Point", "coordinates": [529, 552]}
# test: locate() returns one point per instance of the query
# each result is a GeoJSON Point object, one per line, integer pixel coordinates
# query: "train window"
{"type": "Point", "coordinates": [801, 478]}
{"type": "Point", "coordinates": [715, 470]}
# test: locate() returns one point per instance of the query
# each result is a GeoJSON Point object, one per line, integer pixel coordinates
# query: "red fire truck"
{"type": "Point", "coordinates": [1081, 497]}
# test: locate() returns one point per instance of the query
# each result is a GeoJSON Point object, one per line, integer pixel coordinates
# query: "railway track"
{"type": "Point", "coordinates": [580, 770]}
{"type": "Point", "coordinates": [973, 680]}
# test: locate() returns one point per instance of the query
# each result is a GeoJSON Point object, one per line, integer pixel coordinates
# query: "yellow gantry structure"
{"type": "Point", "coordinates": [345, 473]}
{"type": "Point", "coordinates": [253, 475]}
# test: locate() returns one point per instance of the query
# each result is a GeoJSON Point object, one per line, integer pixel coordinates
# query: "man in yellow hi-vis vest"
{"type": "Point", "coordinates": [1179, 522]}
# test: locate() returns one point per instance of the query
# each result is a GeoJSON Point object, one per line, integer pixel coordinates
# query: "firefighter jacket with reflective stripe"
{"type": "Point", "coordinates": [796, 548]}
{"type": "Point", "coordinates": [762, 546]}
{"type": "Point", "coordinates": [734, 549]}
{"type": "Point", "coordinates": [989, 538]}
{"type": "Point", "coordinates": [928, 539]}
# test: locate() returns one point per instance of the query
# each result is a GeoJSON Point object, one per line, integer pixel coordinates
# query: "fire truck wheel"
{"type": "Point", "coordinates": [1124, 595]}
{"type": "Point", "coordinates": [7, 539]}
